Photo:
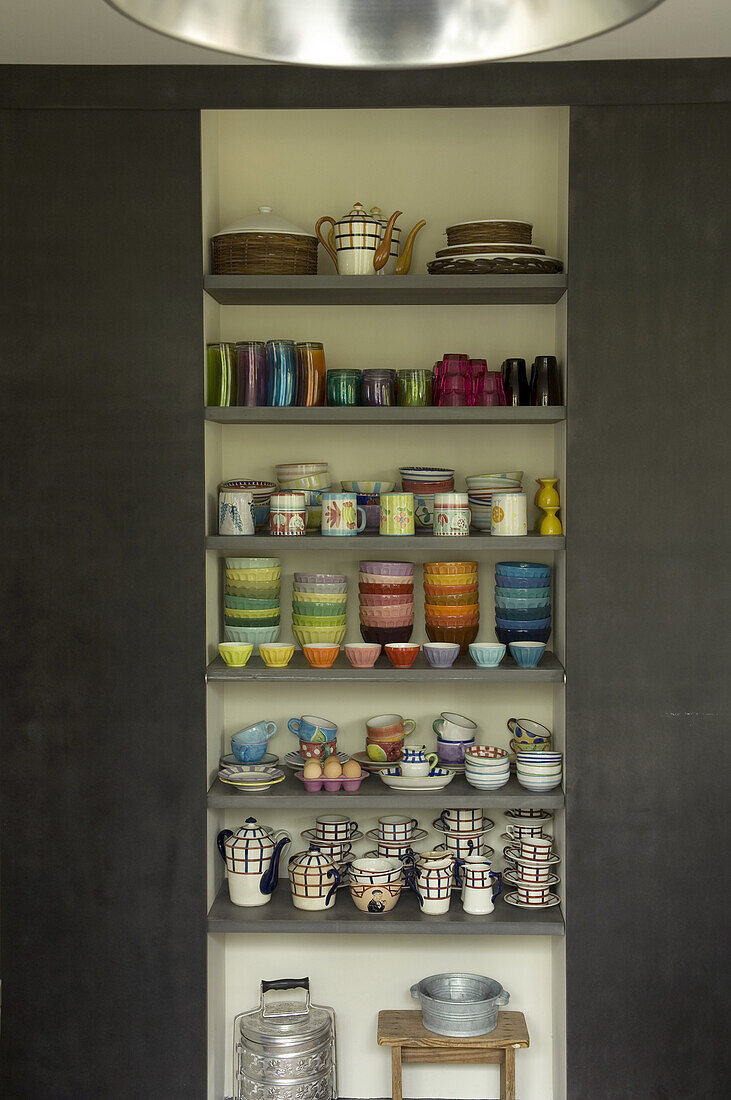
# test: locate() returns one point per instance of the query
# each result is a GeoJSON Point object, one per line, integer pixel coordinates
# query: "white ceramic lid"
{"type": "Point", "coordinates": [264, 221]}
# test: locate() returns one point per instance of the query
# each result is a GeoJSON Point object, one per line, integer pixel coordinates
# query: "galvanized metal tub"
{"type": "Point", "coordinates": [461, 1005]}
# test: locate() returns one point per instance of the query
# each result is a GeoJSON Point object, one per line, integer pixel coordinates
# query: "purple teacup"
{"type": "Point", "coordinates": [452, 752]}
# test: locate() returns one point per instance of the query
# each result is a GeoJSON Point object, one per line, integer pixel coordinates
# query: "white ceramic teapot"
{"type": "Point", "coordinates": [251, 855]}
{"type": "Point", "coordinates": [314, 879]}
{"type": "Point", "coordinates": [360, 243]}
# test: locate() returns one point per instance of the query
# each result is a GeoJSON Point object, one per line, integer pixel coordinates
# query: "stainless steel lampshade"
{"type": "Point", "coordinates": [382, 34]}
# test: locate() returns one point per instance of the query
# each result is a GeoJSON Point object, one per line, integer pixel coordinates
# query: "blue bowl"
{"type": "Point", "coordinates": [521, 582]}
{"type": "Point", "coordinates": [487, 654]}
{"type": "Point", "coordinates": [524, 624]}
{"type": "Point", "coordinates": [522, 569]}
{"type": "Point", "coordinates": [529, 614]}
{"type": "Point", "coordinates": [528, 657]}
{"type": "Point", "coordinates": [249, 754]}
{"type": "Point", "coordinates": [518, 594]}
{"type": "Point", "coordinates": [508, 636]}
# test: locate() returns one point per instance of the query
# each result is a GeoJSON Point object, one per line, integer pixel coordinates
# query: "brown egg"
{"type": "Point", "coordinates": [351, 769]}
{"type": "Point", "coordinates": [332, 768]}
{"type": "Point", "coordinates": [312, 769]}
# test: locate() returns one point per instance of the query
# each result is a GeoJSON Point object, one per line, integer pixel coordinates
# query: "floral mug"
{"type": "Point", "coordinates": [341, 514]}
{"type": "Point", "coordinates": [397, 514]}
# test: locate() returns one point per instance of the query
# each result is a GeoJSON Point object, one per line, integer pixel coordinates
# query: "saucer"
{"type": "Point", "coordinates": [294, 760]}
{"type": "Point", "coordinates": [513, 879]}
{"type": "Point", "coordinates": [230, 759]}
{"type": "Point", "coordinates": [511, 839]}
{"type": "Point", "coordinates": [375, 854]}
{"type": "Point", "coordinates": [250, 777]}
{"type": "Point", "coordinates": [514, 855]}
{"type": "Point", "coordinates": [485, 851]}
{"type": "Point", "coordinates": [486, 826]}
{"type": "Point", "coordinates": [512, 899]}
{"type": "Point", "coordinates": [311, 835]}
{"type": "Point", "coordinates": [371, 765]}
{"type": "Point", "coordinates": [455, 765]}
{"type": "Point", "coordinates": [435, 782]}
{"type": "Point", "coordinates": [542, 815]}
{"type": "Point", "coordinates": [418, 834]}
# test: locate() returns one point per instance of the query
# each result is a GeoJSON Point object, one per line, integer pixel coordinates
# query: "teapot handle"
{"type": "Point", "coordinates": [326, 243]}
{"type": "Point", "coordinates": [221, 839]}
{"type": "Point", "coordinates": [334, 874]}
{"type": "Point", "coordinates": [499, 876]}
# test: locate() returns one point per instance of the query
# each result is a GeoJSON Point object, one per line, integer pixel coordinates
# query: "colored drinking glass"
{"type": "Point", "coordinates": [414, 387]}
{"type": "Point", "coordinates": [515, 382]}
{"type": "Point", "coordinates": [281, 372]}
{"type": "Point", "coordinates": [310, 373]}
{"type": "Point", "coordinates": [378, 387]}
{"type": "Point", "coordinates": [343, 387]}
{"type": "Point", "coordinates": [220, 377]}
{"type": "Point", "coordinates": [251, 373]}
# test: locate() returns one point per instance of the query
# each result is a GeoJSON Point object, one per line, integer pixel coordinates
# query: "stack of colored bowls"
{"type": "Point", "coordinates": [480, 488]}
{"type": "Point", "coordinates": [261, 492]}
{"type": "Point", "coordinates": [522, 601]}
{"type": "Point", "coordinates": [319, 608]}
{"type": "Point", "coordinates": [251, 600]}
{"type": "Point", "coordinates": [386, 598]}
{"type": "Point", "coordinates": [487, 767]}
{"type": "Point", "coordinates": [539, 771]}
{"type": "Point", "coordinates": [451, 604]}
{"type": "Point", "coordinates": [424, 482]}
{"type": "Point", "coordinates": [310, 478]}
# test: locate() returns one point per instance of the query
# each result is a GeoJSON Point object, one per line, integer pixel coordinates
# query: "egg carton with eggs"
{"type": "Point", "coordinates": [332, 775]}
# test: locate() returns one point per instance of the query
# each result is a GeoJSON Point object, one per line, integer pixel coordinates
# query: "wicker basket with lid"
{"type": "Point", "coordinates": [264, 244]}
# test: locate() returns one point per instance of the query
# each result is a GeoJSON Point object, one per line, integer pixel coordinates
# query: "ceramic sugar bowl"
{"type": "Point", "coordinates": [313, 879]}
{"type": "Point", "coordinates": [251, 855]}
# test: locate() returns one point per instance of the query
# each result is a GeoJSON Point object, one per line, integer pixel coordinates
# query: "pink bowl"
{"type": "Point", "coordinates": [368, 599]}
{"type": "Point", "coordinates": [386, 620]}
{"type": "Point", "coordinates": [362, 655]}
{"type": "Point", "coordinates": [383, 578]}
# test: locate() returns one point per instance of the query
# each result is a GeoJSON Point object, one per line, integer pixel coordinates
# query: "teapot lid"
{"type": "Point", "coordinates": [377, 214]}
{"type": "Point", "coordinates": [251, 829]}
{"type": "Point", "coordinates": [359, 214]}
{"type": "Point", "coordinates": [313, 857]}
{"type": "Point", "coordinates": [264, 221]}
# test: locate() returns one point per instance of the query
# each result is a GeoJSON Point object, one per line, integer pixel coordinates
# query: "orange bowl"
{"type": "Point", "coordinates": [435, 599]}
{"type": "Point", "coordinates": [448, 568]}
{"type": "Point", "coordinates": [321, 656]}
{"type": "Point", "coordinates": [466, 611]}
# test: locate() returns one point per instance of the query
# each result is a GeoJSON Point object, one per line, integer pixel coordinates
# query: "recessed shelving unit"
{"type": "Point", "coordinates": [453, 548]}
{"type": "Point", "coordinates": [299, 670]}
{"type": "Point", "coordinates": [374, 795]}
{"type": "Point", "coordinates": [279, 915]}
{"type": "Point", "coordinates": [385, 290]}
{"type": "Point", "coordinates": [384, 416]}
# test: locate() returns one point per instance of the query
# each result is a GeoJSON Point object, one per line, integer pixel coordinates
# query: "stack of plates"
{"type": "Point", "coordinates": [522, 601]}
{"type": "Point", "coordinates": [480, 488]}
{"type": "Point", "coordinates": [251, 600]}
{"type": "Point", "coordinates": [318, 608]}
{"type": "Point", "coordinates": [492, 245]}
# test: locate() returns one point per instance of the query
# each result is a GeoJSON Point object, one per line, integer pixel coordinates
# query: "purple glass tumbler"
{"type": "Point", "coordinates": [251, 374]}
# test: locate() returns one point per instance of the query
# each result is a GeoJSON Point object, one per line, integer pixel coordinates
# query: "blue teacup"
{"type": "Point", "coordinates": [260, 731]}
{"type": "Point", "coordinates": [249, 754]}
{"type": "Point", "coordinates": [311, 728]}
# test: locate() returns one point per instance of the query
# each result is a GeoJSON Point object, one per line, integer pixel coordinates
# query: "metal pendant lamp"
{"type": "Point", "coordinates": [382, 34]}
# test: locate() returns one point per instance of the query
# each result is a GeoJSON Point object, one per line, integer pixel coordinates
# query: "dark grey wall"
{"type": "Point", "coordinates": [101, 684]}
{"type": "Point", "coordinates": [648, 606]}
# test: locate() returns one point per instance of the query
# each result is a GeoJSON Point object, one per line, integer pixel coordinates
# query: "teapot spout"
{"type": "Point", "coordinates": [403, 263]}
{"type": "Point", "coordinates": [380, 257]}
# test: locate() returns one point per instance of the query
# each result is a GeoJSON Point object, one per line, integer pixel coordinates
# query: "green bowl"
{"type": "Point", "coordinates": [273, 620]}
{"type": "Point", "coordinates": [247, 603]}
{"type": "Point", "coordinates": [316, 621]}
{"type": "Point", "coordinates": [318, 610]}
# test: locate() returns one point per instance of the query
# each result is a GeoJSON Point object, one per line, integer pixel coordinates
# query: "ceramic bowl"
{"type": "Point", "coordinates": [487, 756]}
{"type": "Point", "coordinates": [548, 758]}
{"type": "Point", "coordinates": [527, 654]}
{"type": "Point", "coordinates": [460, 612]}
{"type": "Point", "coordinates": [318, 610]}
{"type": "Point", "coordinates": [375, 899]}
{"type": "Point", "coordinates": [371, 599]}
{"type": "Point", "coordinates": [388, 568]}
{"type": "Point", "coordinates": [260, 490]}
{"type": "Point", "coordinates": [405, 584]}
{"type": "Point", "coordinates": [253, 563]}
{"type": "Point", "coordinates": [253, 591]}
{"type": "Point", "coordinates": [388, 616]}
{"type": "Point", "coordinates": [244, 603]}
{"type": "Point", "coordinates": [402, 591]}
{"type": "Point", "coordinates": [522, 582]}
{"type": "Point", "coordinates": [508, 636]}
{"type": "Point", "coordinates": [523, 624]}
{"type": "Point", "coordinates": [447, 569]}
{"type": "Point", "coordinates": [254, 577]}
{"type": "Point", "coordinates": [249, 754]}
{"type": "Point", "coordinates": [318, 635]}
{"type": "Point", "coordinates": [435, 598]}
{"type": "Point", "coordinates": [384, 634]}
{"type": "Point", "coordinates": [517, 615]}
{"type": "Point", "coordinates": [240, 617]}
{"type": "Point", "coordinates": [522, 569]}
{"type": "Point", "coordinates": [402, 654]}
{"type": "Point", "coordinates": [367, 486]}
{"type": "Point", "coordinates": [297, 469]}
{"type": "Point", "coordinates": [487, 654]}
{"type": "Point", "coordinates": [276, 654]}
{"type": "Point", "coordinates": [425, 473]}
{"type": "Point", "coordinates": [362, 655]}
{"type": "Point", "coordinates": [334, 598]}
{"type": "Point", "coordinates": [441, 654]}
{"type": "Point", "coordinates": [254, 634]}
{"type": "Point", "coordinates": [320, 578]}
{"type": "Point", "coordinates": [426, 489]}
{"type": "Point", "coordinates": [329, 622]}
{"type": "Point", "coordinates": [321, 656]}
{"type": "Point", "coordinates": [438, 593]}
{"type": "Point", "coordinates": [235, 654]}
{"type": "Point", "coordinates": [271, 620]}
{"type": "Point", "coordinates": [318, 591]}
{"type": "Point", "coordinates": [462, 635]}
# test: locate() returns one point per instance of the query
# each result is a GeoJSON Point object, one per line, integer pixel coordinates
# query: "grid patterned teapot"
{"type": "Point", "coordinates": [251, 855]}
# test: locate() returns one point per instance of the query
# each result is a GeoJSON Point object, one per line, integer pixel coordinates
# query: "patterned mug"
{"type": "Point", "coordinates": [287, 514]}
{"type": "Point", "coordinates": [341, 514]}
{"type": "Point", "coordinates": [452, 514]}
{"type": "Point", "coordinates": [397, 514]}
{"type": "Point", "coordinates": [235, 512]}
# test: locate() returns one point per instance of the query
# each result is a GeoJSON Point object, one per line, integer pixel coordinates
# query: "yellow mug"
{"type": "Point", "coordinates": [397, 514]}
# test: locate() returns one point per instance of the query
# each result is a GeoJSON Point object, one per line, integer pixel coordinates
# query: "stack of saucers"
{"type": "Point", "coordinates": [424, 482]}
{"type": "Point", "coordinates": [451, 606]}
{"type": "Point", "coordinates": [532, 862]}
{"type": "Point", "coordinates": [386, 597]}
{"type": "Point", "coordinates": [480, 488]}
{"type": "Point", "coordinates": [522, 601]}
{"type": "Point", "coordinates": [310, 478]}
{"type": "Point", "coordinates": [318, 608]}
{"type": "Point", "coordinates": [251, 600]}
{"type": "Point", "coordinates": [487, 767]}
{"type": "Point", "coordinates": [539, 771]}
{"type": "Point", "coordinates": [261, 492]}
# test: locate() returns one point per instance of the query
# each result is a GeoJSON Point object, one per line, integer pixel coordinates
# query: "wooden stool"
{"type": "Point", "coordinates": [410, 1041]}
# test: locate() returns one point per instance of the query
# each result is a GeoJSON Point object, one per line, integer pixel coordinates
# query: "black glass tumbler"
{"type": "Point", "coordinates": [515, 382]}
{"type": "Point", "coordinates": [545, 384]}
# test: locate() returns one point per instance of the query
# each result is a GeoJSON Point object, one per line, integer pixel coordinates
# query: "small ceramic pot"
{"type": "Point", "coordinates": [478, 885]}
{"type": "Point", "coordinates": [313, 879]}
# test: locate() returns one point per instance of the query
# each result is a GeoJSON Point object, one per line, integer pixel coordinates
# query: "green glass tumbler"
{"type": "Point", "coordinates": [343, 387]}
{"type": "Point", "coordinates": [221, 374]}
{"type": "Point", "coordinates": [414, 387]}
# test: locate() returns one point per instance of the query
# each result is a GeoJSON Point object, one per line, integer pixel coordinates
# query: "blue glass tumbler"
{"type": "Point", "coordinates": [281, 372]}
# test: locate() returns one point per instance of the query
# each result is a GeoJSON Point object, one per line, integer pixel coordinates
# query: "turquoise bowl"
{"type": "Point", "coordinates": [246, 603]}
{"type": "Point", "coordinates": [487, 654]}
{"type": "Point", "coordinates": [531, 595]}
{"type": "Point", "coordinates": [257, 635]}
{"type": "Point", "coordinates": [521, 614]}
{"type": "Point", "coordinates": [527, 654]}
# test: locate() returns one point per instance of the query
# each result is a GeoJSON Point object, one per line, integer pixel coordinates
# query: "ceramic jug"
{"type": "Point", "coordinates": [477, 879]}
{"type": "Point", "coordinates": [359, 244]}
{"type": "Point", "coordinates": [251, 855]}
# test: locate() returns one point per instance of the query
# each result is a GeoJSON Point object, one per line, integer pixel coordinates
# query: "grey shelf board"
{"type": "Point", "coordinates": [386, 290]}
{"type": "Point", "coordinates": [237, 414]}
{"type": "Point", "coordinates": [374, 795]}
{"type": "Point", "coordinates": [459, 546]}
{"type": "Point", "coordinates": [279, 915]}
{"type": "Point", "coordinates": [298, 670]}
